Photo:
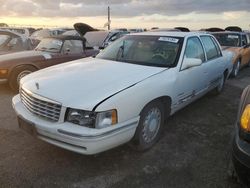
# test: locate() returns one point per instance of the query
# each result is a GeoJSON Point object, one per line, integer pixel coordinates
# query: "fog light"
{"type": "Point", "coordinates": [245, 119]}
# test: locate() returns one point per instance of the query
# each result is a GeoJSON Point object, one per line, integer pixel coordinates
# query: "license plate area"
{"type": "Point", "coordinates": [27, 126]}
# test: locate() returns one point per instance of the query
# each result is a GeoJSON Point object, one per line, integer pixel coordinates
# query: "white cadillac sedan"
{"type": "Point", "coordinates": [123, 94]}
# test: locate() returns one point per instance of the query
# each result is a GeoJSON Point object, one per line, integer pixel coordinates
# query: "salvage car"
{"type": "Point", "coordinates": [239, 43]}
{"type": "Point", "coordinates": [101, 39]}
{"type": "Point", "coordinates": [241, 141]}
{"type": "Point", "coordinates": [50, 51]}
{"type": "Point", "coordinates": [13, 42]}
{"type": "Point", "coordinates": [123, 94]}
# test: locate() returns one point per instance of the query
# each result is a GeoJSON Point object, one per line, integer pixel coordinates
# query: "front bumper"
{"type": "Point", "coordinates": [241, 159]}
{"type": "Point", "coordinates": [74, 137]}
{"type": "Point", "coordinates": [3, 81]}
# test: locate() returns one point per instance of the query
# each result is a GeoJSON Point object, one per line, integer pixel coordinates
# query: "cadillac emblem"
{"type": "Point", "coordinates": [37, 85]}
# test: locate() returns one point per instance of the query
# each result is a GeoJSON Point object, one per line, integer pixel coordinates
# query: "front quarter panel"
{"type": "Point", "coordinates": [130, 102]}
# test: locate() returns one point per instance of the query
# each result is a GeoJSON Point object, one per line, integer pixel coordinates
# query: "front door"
{"type": "Point", "coordinates": [191, 81]}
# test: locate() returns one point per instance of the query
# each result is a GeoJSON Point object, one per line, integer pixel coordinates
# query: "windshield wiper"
{"type": "Point", "coordinates": [120, 52]}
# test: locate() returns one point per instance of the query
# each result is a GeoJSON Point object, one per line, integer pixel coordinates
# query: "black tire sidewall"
{"type": "Point", "coordinates": [13, 77]}
{"type": "Point", "coordinates": [139, 142]}
{"type": "Point", "coordinates": [235, 66]}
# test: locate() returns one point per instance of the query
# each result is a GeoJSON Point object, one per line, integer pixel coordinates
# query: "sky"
{"type": "Point", "coordinates": [194, 14]}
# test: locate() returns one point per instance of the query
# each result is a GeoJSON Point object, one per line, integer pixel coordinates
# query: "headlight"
{"type": "Point", "coordinates": [245, 119]}
{"type": "Point", "coordinates": [90, 119]}
{"type": "Point", "coordinates": [106, 119]}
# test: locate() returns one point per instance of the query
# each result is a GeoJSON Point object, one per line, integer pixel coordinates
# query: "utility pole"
{"type": "Point", "coordinates": [109, 21]}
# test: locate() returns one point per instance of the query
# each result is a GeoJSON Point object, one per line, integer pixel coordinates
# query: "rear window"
{"type": "Point", "coordinates": [210, 47]}
{"type": "Point", "coordinates": [228, 39]}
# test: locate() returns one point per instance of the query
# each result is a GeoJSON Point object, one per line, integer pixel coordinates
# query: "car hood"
{"type": "Point", "coordinates": [85, 83]}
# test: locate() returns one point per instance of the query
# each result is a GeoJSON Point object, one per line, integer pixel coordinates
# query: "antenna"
{"type": "Point", "coordinates": [109, 21]}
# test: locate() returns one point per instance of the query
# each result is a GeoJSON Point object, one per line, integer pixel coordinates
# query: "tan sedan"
{"type": "Point", "coordinates": [239, 43]}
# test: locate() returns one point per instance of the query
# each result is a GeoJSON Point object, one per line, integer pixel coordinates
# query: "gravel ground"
{"type": "Point", "coordinates": [194, 151]}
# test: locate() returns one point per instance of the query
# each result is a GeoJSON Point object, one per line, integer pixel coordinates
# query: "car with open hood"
{"type": "Point", "coordinates": [123, 94]}
{"type": "Point", "coordinates": [50, 51]}
{"type": "Point", "coordinates": [237, 42]}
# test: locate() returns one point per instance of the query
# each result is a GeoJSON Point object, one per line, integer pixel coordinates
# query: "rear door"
{"type": "Point", "coordinates": [213, 66]}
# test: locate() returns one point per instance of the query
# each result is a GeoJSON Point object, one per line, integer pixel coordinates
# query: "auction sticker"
{"type": "Point", "coordinates": [168, 39]}
{"type": "Point", "coordinates": [233, 36]}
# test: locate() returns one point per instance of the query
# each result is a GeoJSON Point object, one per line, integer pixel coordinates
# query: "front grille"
{"type": "Point", "coordinates": [40, 106]}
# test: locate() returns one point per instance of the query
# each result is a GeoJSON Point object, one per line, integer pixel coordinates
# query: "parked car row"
{"type": "Point", "coordinates": [125, 92]}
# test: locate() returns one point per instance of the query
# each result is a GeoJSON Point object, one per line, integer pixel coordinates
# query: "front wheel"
{"type": "Point", "coordinates": [150, 125]}
{"type": "Point", "coordinates": [17, 74]}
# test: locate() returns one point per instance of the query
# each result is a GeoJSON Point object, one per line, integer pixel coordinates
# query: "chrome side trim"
{"type": "Point", "coordinates": [3, 81]}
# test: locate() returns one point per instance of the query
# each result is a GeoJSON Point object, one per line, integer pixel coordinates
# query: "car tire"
{"type": "Point", "coordinates": [150, 126]}
{"type": "Point", "coordinates": [236, 69]}
{"type": "Point", "coordinates": [248, 65]}
{"type": "Point", "coordinates": [17, 74]}
{"type": "Point", "coordinates": [219, 88]}
{"type": "Point", "coordinates": [231, 173]}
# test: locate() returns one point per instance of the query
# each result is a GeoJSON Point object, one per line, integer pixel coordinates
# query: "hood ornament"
{"type": "Point", "coordinates": [37, 86]}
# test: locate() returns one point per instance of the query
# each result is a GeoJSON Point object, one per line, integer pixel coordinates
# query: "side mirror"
{"type": "Point", "coordinates": [247, 46]}
{"type": "Point", "coordinates": [190, 62]}
{"type": "Point", "coordinates": [66, 51]}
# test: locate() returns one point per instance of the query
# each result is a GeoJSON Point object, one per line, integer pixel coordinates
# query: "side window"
{"type": "Point", "coordinates": [210, 47]}
{"type": "Point", "coordinates": [194, 49]}
{"type": "Point", "coordinates": [217, 47]}
{"type": "Point", "coordinates": [72, 46]}
{"type": "Point", "coordinates": [244, 40]}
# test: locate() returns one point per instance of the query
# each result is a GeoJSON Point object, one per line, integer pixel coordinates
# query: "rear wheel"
{"type": "Point", "coordinates": [150, 125]}
{"type": "Point", "coordinates": [17, 74]}
{"type": "Point", "coordinates": [220, 86]}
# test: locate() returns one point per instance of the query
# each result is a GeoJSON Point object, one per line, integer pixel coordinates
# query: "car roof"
{"type": "Point", "coordinates": [173, 34]}
{"type": "Point", "coordinates": [8, 32]}
{"type": "Point", "coordinates": [66, 37]}
{"type": "Point", "coordinates": [228, 32]}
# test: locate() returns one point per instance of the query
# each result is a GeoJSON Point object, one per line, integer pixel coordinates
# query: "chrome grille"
{"type": "Point", "coordinates": [40, 106]}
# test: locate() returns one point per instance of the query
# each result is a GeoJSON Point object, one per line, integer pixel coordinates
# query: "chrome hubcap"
{"type": "Point", "coordinates": [237, 68]}
{"type": "Point", "coordinates": [22, 74]}
{"type": "Point", "coordinates": [151, 124]}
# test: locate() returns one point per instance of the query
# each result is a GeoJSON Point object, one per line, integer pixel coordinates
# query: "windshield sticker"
{"type": "Point", "coordinates": [168, 39]}
{"type": "Point", "coordinates": [57, 42]}
{"type": "Point", "coordinates": [233, 36]}
{"type": "Point", "coordinates": [47, 56]}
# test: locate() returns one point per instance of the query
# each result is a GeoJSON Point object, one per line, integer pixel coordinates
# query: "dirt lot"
{"type": "Point", "coordinates": [193, 152]}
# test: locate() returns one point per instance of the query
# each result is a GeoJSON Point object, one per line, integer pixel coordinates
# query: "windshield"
{"type": "Point", "coordinates": [144, 50]}
{"type": "Point", "coordinates": [228, 39]}
{"type": "Point", "coordinates": [50, 45]}
{"type": "Point", "coordinates": [3, 39]}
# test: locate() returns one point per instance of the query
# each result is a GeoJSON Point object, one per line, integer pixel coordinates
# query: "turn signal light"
{"type": "Point", "coordinates": [3, 71]}
{"type": "Point", "coordinates": [245, 119]}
